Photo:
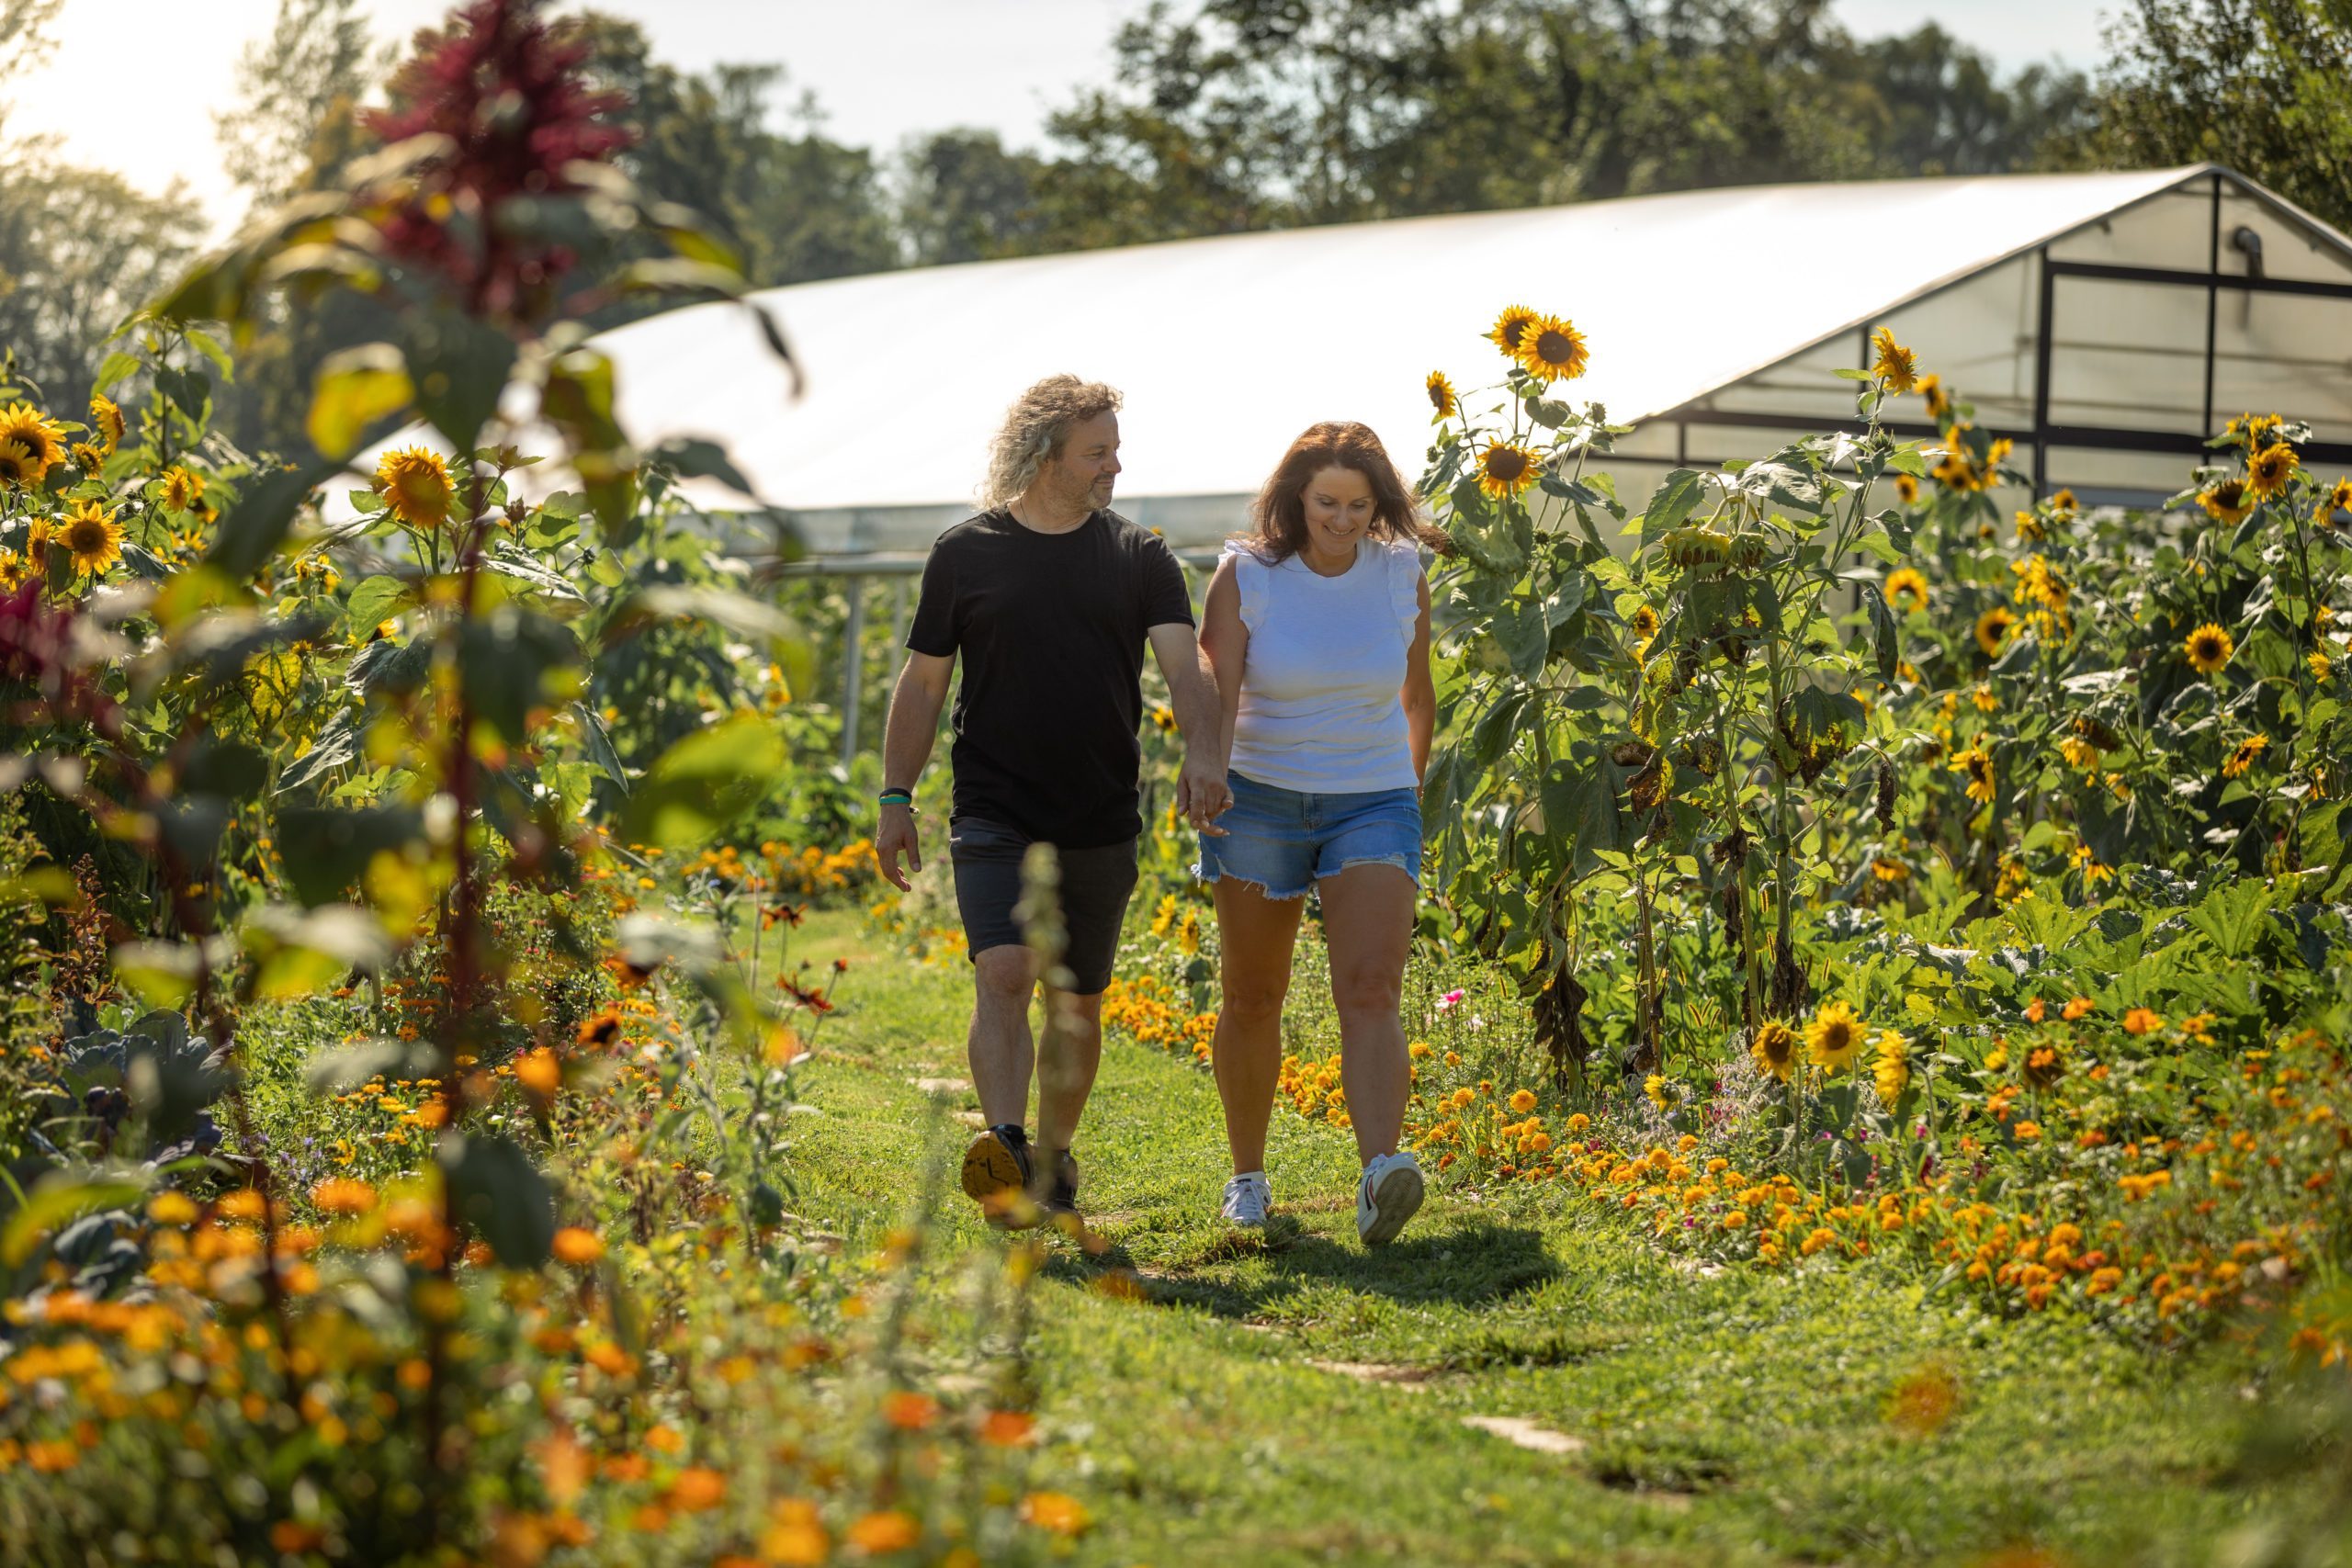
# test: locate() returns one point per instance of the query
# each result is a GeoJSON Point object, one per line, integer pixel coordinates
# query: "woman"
{"type": "Point", "coordinates": [1317, 626]}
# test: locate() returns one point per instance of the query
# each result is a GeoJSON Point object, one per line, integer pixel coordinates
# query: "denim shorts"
{"type": "Point", "coordinates": [1283, 841]}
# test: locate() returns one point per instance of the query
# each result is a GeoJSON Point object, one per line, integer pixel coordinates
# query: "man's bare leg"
{"type": "Point", "coordinates": [1002, 1058]}
{"type": "Point", "coordinates": [1067, 1062]}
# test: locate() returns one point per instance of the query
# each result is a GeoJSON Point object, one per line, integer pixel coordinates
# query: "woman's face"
{"type": "Point", "coordinates": [1339, 511]}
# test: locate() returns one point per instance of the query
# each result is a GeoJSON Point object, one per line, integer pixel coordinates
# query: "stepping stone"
{"type": "Point", "coordinates": [943, 1086]}
{"type": "Point", "coordinates": [1526, 1434]}
{"type": "Point", "coordinates": [972, 1119]}
{"type": "Point", "coordinates": [1414, 1379]}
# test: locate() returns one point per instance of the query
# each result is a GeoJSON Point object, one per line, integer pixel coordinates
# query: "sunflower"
{"type": "Point", "coordinates": [1954, 471]}
{"type": "Point", "coordinates": [1509, 326]}
{"type": "Point", "coordinates": [88, 458]}
{"type": "Point", "coordinates": [1898, 366]}
{"type": "Point", "coordinates": [182, 488]}
{"type": "Point", "coordinates": [12, 571]}
{"type": "Point", "coordinates": [2241, 760]}
{"type": "Point", "coordinates": [1931, 389]}
{"type": "Point", "coordinates": [1551, 350]}
{"type": "Point", "coordinates": [2029, 528]}
{"type": "Point", "coordinates": [106, 418]}
{"type": "Point", "coordinates": [16, 466]}
{"type": "Point", "coordinates": [2253, 429]}
{"type": "Point", "coordinates": [92, 537]}
{"type": "Point", "coordinates": [1834, 1038]}
{"type": "Point", "coordinates": [1441, 398]}
{"type": "Point", "coordinates": [1907, 489]}
{"type": "Point", "coordinates": [1645, 625]}
{"type": "Point", "coordinates": [1907, 589]}
{"type": "Point", "coordinates": [1977, 763]}
{"type": "Point", "coordinates": [2208, 648]}
{"type": "Point", "coordinates": [1893, 1066]}
{"type": "Point", "coordinates": [2226, 501]}
{"type": "Point", "coordinates": [2268, 471]}
{"type": "Point", "coordinates": [1993, 629]}
{"type": "Point", "coordinates": [1775, 1049]}
{"type": "Point", "coordinates": [1505, 468]}
{"type": "Point", "coordinates": [43, 443]}
{"type": "Point", "coordinates": [416, 483]}
{"type": "Point", "coordinates": [2063, 505]}
{"type": "Point", "coordinates": [2333, 505]}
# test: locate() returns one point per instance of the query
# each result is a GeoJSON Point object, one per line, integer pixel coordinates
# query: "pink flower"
{"type": "Point", "coordinates": [1449, 1001]}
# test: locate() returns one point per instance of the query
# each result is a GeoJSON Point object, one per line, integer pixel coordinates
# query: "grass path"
{"type": "Point", "coordinates": [1301, 1400]}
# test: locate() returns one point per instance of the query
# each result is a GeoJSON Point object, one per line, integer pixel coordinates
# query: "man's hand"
{"type": "Point", "coordinates": [895, 837]}
{"type": "Point", "coordinates": [1202, 793]}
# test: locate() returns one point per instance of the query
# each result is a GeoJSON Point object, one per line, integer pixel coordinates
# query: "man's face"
{"type": "Point", "coordinates": [1089, 465]}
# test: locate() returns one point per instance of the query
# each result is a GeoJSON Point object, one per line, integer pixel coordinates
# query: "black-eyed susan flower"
{"type": "Point", "coordinates": [415, 485]}
{"type": "Point", "coordinates": [1976, 764]}
{"type": "Point", "coordinates": [42, 442]}
{"type": "Point", "coordinates": [1551, 349]}
{"type": "Point", "coordinates": [1505, 468]}
{"type": "Point", "coordinates": [91, 537]}
{"type": "Point", "coordinates": [2209, 648]}
{"type": "Point", "coordinates": [1993, 629]}
{"type": "Point", "coordinates": [1441, 398]}
{"type": "Point", "coordinates": [1509, 326]}
{"type": "Point", "coordinates": [2242, 759]}
{"type": "Point", "coordinates": [1834, 1038]}
{"type": "Point", "coordinates": [1775, 1049]}
{"type": "Point", "coordinates": [2268, 471]}
{"type": "Point", "coordinates": [2227, 501]}
{"type": "Point", "coordinates": [1907, 589]}
{"type": "Point", "coordinates": [1897, 368]}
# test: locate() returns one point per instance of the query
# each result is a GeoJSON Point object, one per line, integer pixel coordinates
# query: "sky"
{"type": "Point", "coordinates": [131, 85]}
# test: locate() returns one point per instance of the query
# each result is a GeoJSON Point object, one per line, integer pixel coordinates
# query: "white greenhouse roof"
{"type": "Point", "coordinates": [1716, 314]}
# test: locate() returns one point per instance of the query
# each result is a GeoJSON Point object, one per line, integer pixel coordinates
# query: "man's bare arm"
{"type": "Point", "coordinates": [907, 737]}
{"type": "Point", "coordinates": [1201, 792]}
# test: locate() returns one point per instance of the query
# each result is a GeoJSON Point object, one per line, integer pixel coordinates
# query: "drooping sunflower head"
{"type": "Point", "coordinates": [105, 419]}
{"type": "Point", "coordinates": [44, 444]}
{"type": "Point", "coordinates": [91, 537]}
{"type": "Point", "coordinates": [1893, 1065]}
{"type": "Point", "coordinates": [1897, 368]}
{"type": "Point", "coordinates": [2241, 760]}
{"type": "Point", "coordinates": [1505, 468]}
{"type": "Point", "coordinates": [1775, 1049]}
{"type": "Point", "coordinates": [1510, 326]}
{"type": "Point", "coordinates": [2227, 501]}
{"type": "Point", "coordinates": [16, 465]}
{"type": "Point", "coordinates": [2335, 507]}
{"type": "Point", "coordinates": [1907, 589]}
{"type": "Point", "coordinates": [2268, 470]}
{"type": "Point", "coordinates": [1993, 629]}
{"type": "Point", "coordinates": [415, 483]}
{"type": "Point", "coordinates": [2209, 648]}
{"type": "Point", "coordinates": [182, 488]}
{"type": "Point", "coordinates": [1834, 1038]}
{"type": "Point", "coordinates": [1975, 765]}
{"type": "Point", "coordinates": [1931, 389]}
{"type": "Point", "coordinates": [1907, 489]}
{"type": "Point", "coordinates": [1551, 350]}
{"type": "Point", "coordinates": [1441, 398]}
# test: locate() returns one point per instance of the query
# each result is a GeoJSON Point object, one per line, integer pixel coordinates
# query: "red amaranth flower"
{"type": "Point", "coordinates": [507, 88]}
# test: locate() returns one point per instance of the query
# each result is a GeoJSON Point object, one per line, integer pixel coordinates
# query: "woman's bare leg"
{"type": "Point", "coordinates": [1255, 936]}
{"type": "Point", "coordinates": [1368, 921]}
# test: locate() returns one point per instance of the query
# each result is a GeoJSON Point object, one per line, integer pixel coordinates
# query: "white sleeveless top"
{"type": "Point", "coordinates": [1322, 710]}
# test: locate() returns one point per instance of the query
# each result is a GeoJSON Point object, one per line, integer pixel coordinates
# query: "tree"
{"type": "Point", "coordinates": [299, 92]}
{"type": "Point", "coordinates": [964, 197]}
{"type": "Point", "coordinates": [2257, 85]}
{"type": "Point", "coordinates": [80, 249]}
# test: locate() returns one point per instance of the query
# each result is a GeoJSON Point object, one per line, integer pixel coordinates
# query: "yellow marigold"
{"type": "Point", "coordinates": [2142, 1020]}
{"type": "Point", "coordinates": [1057, 1512]}
{"type": "Point", "coordinates": [342, 1195]}
{"type": "Point", "coordinates": [415, 485]}
{"type": "Point", "coordinates": [2270, 470]}
{"type": "Point", "coordinates": [1441, 398]}
{"type": "Point", "coordinates": [2209, 648]}
{"type": "Point", "coordinates": [1833, 1037]}
{"type": "Point", "coordinates": [578, 1246]}
{"type": "Point", "coordinates": [1775, 1049]}
{"type": "Point", "coordinates": [1907, 589]}
{"type": "Point", "coordinates": [1897, 368]}
{"type": "Point", "coordinates": [1522, 1100]}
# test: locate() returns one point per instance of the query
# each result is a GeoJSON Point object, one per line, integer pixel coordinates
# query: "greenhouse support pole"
{"type": "Point", "coordinates": [2212, 304]}
{"type": "Point", "coordinates": [853, 658]}
{"type": "Point", "coordinates": [2042, 376]}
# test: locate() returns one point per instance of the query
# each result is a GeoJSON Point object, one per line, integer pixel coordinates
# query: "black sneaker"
{"type": "Point", "coordinates": [1060, 1197]}
{"type": "Point", "coordinates": [997, 1171]}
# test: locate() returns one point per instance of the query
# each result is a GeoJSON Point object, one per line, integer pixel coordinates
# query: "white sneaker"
{"type": "Point", "coordinates": [1387, 1197]}
{"type": "Point", "coordinates": [1247, 1199]}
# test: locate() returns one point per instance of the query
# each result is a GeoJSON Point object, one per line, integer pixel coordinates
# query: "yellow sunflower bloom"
{"type": "Point", "coordinates": [106, 418]}
{"type": "Point", "coordinates": [1505, 468]}
{"type": "Point", "coordinates": [1893, 1065]}
{"type": "Point", "coordinates": [1931, 389]}
{"type": "Point", "coordinates": [1897, 368]}
{"type": "Point", "coordinates": [1645, 625]}
{"type": "Point", "coordinates": [1551, 350]}
{"type": "Point", "coordinates": [2209, 648]}
{"type": "Point", "coordinates": [2268, 471]}
{"type": "Point", "coordinates": [16, 465]}
{"type": "Point", "coordinates": [1441, 398]}
{"type": "Point", "coordinates": [1509, 326]}
{"type": "Point", "coordinates": [2335, 506]}
{"type": "Point", "coordinates": [1976, 763]}
{"type": "Point", "coordinates": [415, 483]}
{"type": "Point", "coordinates": [1907, 589]}
{"type": "Point", "coordinates": [183, 487]}
{"type": "Point", "coordinates": [2242, 759]}
{"type": "Point", "coordinates": [43, 440]}
{"type": "Point", "coordinates": [1775, 1049]}
{"type": "Point", "coordinates": [12, 571]}
{"type": "Point", "coordinates": [2063, 505]}
{"type": "Point", "coordinates": [2227, 502]}
{"type": "Point", "coordinates": [1907, 489]}
{"type": "Point", "coordinates": [92, 537]}
{"type": "Point", "coordinates": [1834, 1038]}
{"type": "Point", "coordinates": [87, 458]}
{"type": "Point", "coordinates": [1993, 629]}
{"type": "Point", "coordinates": [2253, 430]}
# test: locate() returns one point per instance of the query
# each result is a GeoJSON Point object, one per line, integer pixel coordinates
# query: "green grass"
{"type": "Point", "coordinates": [1736, 1418]}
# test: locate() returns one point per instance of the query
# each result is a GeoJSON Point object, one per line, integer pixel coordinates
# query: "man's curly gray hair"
{"type": "Point", "coordinates": [1034, 428]}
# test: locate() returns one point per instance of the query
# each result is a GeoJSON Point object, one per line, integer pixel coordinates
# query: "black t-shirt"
{"type": "Point", "coordinates": [1051, 628]}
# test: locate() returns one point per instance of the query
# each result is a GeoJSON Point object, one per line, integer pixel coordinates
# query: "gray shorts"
{"type": "Point", "coordinates": [1095, 887]}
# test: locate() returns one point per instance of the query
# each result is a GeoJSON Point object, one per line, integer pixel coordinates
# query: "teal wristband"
{"type": "Point", "coordinates": [897, 797]}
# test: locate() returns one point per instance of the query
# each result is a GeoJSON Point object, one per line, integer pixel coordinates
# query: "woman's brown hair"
{"type": "Point", "coordinates": [1278, 517]}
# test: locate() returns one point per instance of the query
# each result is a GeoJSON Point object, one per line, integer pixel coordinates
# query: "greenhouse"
{"type": "Point", "coordinates": [2106, 322]}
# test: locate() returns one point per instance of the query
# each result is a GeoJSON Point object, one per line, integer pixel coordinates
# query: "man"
{"type": "Point", "coordinates": [1049, 598]}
